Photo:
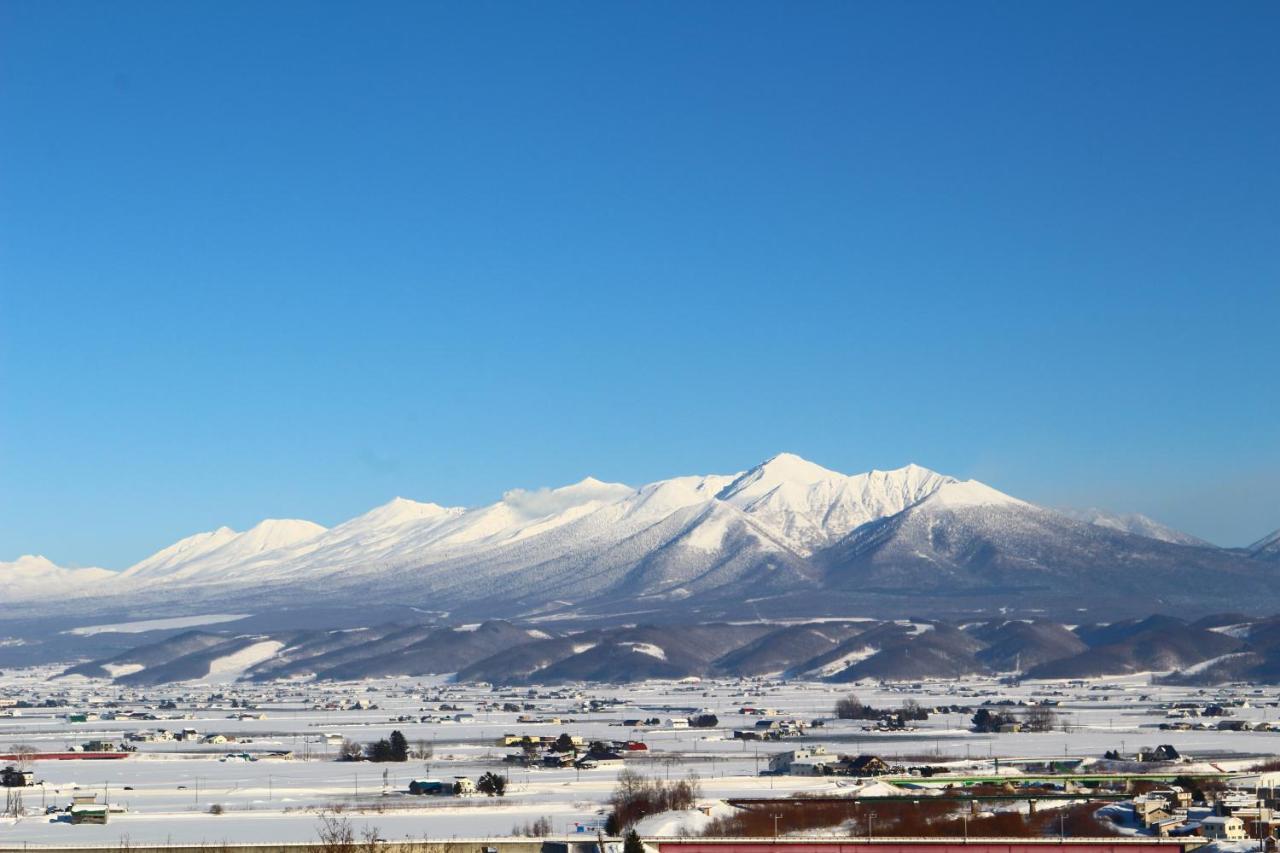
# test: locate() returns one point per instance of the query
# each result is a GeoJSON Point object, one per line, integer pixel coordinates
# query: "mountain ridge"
{"type": "Point", "coordinates": [785, 530]}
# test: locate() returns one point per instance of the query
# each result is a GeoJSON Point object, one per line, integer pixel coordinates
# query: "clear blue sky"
{"type": "Point", "coordinates": [293, 259]}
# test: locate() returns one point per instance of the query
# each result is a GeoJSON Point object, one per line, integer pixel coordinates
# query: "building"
{"type": "Point", "coordinates": [864, 765]}
{"type": "Point", "coordinates": [800, 762]}
{"type": "Point", "coordinates": [432, 787]}
{"type": "Point", "coordinates": [89, 813]}
{"type": "Point", "coordinates": [1223, 828]}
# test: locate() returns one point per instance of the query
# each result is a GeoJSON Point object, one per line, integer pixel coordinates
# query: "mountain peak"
{"type": "Point", "coordinates": [782, 469]}
{"type": "Point", "coordinates": [795, 468]}
{"type": "Point", "coordinates": [400, 510]}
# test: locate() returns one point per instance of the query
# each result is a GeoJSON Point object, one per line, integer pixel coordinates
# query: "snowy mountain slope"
{"type": "Point", "coordinates": [811, 507]}
{"type": "Point", "coordinates": [1266, 548]}
{"type": "Point", "coordinates": [33, 577]}
{"type": "Point", "coordinates": [969, 539]}
{"type": "Point", "coordinates": [503, 652]}
{"type": "Point", "coordinates": [786, 533]}
{"type": "Point", "coordinates": [211, 555]}
{"type": "Point", "coordinates": [1135, 523]}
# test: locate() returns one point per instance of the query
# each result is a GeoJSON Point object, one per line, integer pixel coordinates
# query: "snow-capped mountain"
{"type": "Point", "coordinates": [1135, 523]}
{"type": "Point", "coordinates": [968, 539]}
{"type": "Point", "coordinates": [212, 555]}
{"type": "Point", "coordinates": [31, 577]}
{"type": "Point", "coordinates": [785, 534]}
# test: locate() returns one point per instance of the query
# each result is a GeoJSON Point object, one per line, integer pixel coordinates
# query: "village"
{"type": "Point", "coordinates": [87, 761]}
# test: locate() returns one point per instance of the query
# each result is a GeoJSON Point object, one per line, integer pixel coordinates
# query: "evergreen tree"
{"type": "Point", "coordinates": [379, 750]}
{"type": "Point", "coordinates": [399, 747]}
{"type": "Point", "coordinates": [633, 844]}
{"type": "Point", "coordinates": [492, 784]}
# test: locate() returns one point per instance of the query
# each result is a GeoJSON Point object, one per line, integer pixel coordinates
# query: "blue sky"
{"type": "Point", "coordinates": [291, 260]}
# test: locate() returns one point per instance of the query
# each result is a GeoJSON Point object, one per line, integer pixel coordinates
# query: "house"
{"type": "Point", "coordinates": [1164, 752]}
{"type": "Point", "coordinates": [11, 777]}
{"type": "Point", "coordinates": [462, 786]}
{"type": "Point", "coordinates": [800, 762]}
{"type": "Point", "coordinates": [864, 765]}
{"type": "Point", "coordinates": [1166, 827]}
{"type": "Point", "coordinates": [600, 759]}
{"type": "Point", "coordinates": [1175, 795]}
{"type": "Point", "coordinates": [1223, 828]}
{"type": "Point", "coordinates": [678, 722]}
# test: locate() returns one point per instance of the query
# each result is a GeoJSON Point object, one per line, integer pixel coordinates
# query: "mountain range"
{"type": "Point", "coordinates": [1207, 651]}
{"type": "Point", "coordinates": [786, 538]}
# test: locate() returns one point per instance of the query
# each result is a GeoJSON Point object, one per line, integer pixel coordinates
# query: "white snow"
{"type": "Point", "coordinates": [682, 536]}
{"type": "Point", "coordinates": [845, 661]}
{"type": "Point", "coordinates": [647, 649]}
{"type": "Point", "coordinates": [156, 624]}
{"type": "Point", "coordinates": [115, 670]}
{"type": "Point", "coordinates": [230, 667]}
{"type": "Point", "coordinates": [971, 493]}
{"type": "Point", "coordinates": [1205, 665]}
{"type": "Point", "coordinates": [32, 576]}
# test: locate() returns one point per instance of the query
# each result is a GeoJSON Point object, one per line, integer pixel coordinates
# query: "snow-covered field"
{"type": "Point", "coordinates": [166, 789]}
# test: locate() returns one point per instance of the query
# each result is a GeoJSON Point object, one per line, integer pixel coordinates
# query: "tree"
{"type": "Point", "coordinates": [1040, 718]}
{"type": "Point", "coordinates": [564, 743]}
{"type": "Point", "coordinates": [849, 708]}
{"type": "Point", "coordinates": [492, 784]}
{"type": "Point", "coordinates": [379, 750]}
{"type": "Point", "coordinates": [350, 751]}
{"type": "Point", "coordinates": [985, 721]}
{"type": "Point", "coordinates": [399, 747]}
{"type": "Point", "coordinates": [913, 710]}
{"type": "Point", "coordinates": [336, 834]}
{"type": "Point", "coordinates": [704, 721]}
{"type": "Point", "coordinates": [633, 844]}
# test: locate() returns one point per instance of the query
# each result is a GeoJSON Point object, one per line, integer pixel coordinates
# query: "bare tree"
{"type": "Point", "coordinates": [849, 708]}
{"type": "Point", "coordinates": [1039, 718]}
{"type": "Point", "coordinates": [336, 834]}
{"type": "Point", "coordinates": [350, 751]}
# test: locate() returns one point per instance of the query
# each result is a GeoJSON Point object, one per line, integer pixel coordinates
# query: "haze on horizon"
{"type": "Point", "coordinates": [262, 264]}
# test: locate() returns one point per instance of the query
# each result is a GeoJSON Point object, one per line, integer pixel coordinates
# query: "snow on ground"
{"type": "Point", "coordinates": [168, 787]}
{"type": "Point", "coordinates": [115, 670]}
{"type": "Point", "coordinates": [226, 669]}
{"type": "Point", "coordinates": [684, 822]}
{"type": "Point", "coordinates": [647, 649]}
{"type": "Point", "coordinates": [845, 661]}
{"type": "Point", "coordinates": [1211, 663]}
{"type": "Point", "coordinates": [156, 624]}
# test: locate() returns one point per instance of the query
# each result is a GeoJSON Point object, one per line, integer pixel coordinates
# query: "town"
{"type": "Point", "coordinates": [88, 761]}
